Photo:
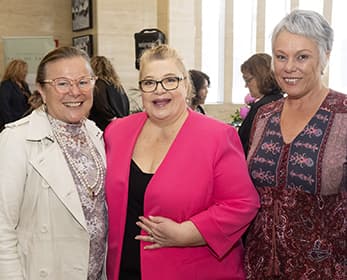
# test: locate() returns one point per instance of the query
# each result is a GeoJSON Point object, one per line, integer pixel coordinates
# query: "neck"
{"type": "Point", "coordinates": [166, 129]}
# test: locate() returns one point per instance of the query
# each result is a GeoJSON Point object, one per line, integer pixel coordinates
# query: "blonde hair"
{"type": "Point", "coordinates": [15, 70]}
{"type": "Point", "coordinates": [163, 52]}
{"type": "Point", "coordinates": [104, 70]}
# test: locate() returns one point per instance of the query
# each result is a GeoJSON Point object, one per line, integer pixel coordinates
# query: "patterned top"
{"type": "Point", "coordinates": [76, 147]}
{"type": "Point", "coordinates": [300, 231]}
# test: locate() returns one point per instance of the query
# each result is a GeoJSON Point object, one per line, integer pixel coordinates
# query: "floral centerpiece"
{"type": "Point", "coordinates": [241, 113]}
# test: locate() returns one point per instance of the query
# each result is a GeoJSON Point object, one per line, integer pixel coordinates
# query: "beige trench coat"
{"type": "Point", "coordinates": [43, 233]}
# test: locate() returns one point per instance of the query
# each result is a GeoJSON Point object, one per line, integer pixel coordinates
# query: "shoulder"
{"type": "Point", "coordinates": [15, 133]}
{"type": "Point", "coordinates": [270, 108]}
{"type": "Point", "coordinates": [337, 101]}
{"type": "Point", "coordinates": [207, 126]}
{"type": "Point", "coordinates": [19, 124]}
{"type": "Point", "coordinates": [6, 84]}
{"type": "Point", "coordinates": [130, 122]}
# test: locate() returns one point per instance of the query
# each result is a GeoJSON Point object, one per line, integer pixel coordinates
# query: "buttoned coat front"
{"type": "Point", "coordinates": [43, 233]}
{"type": "Point", "coordinates": [203, 178]}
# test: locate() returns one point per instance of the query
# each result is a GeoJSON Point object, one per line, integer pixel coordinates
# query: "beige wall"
{"type": "Point", "coordinates": [114, 25]}
{"type": "Point", "coordinates": [35, 18]}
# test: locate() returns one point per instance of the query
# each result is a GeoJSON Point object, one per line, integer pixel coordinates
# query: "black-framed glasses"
{"type": "Point", "coordinates": [169, 83]}
{"type": "Point", "coordinates": [63, 85]}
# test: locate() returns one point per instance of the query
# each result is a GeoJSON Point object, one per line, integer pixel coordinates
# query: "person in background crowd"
{"type": "Point", "coordinates": [14, 92]}
{"type": "Point", "coordinates": [201, 83]}
{"type": "Point", "coordinates": [262, 85]}
{"type": "Point", "coordinates": [53, 219]}
{"type": "Point", "coordinates": [110, 99]}
{"type": "Point", "coordinates": [298, 161]}
{"type": "Point", "coordinates": [174, 212]}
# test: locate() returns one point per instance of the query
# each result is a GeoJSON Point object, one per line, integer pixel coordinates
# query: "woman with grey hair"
{"type": "Point", "coordinates": [298, 161]}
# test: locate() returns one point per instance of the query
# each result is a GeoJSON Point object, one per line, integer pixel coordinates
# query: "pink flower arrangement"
{"type": "Point", "coordinates": [249, 99]}
{"type": "Point", "coordinates": [245, 109]}
{"type": "Point", "coordinates": [241, 113]}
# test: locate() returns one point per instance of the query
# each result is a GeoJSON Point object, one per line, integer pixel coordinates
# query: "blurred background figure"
{"type": "Point", "coordinates": [259, 79]}
{"type": "Point", "coordinates": [110, 99]}
{"type": "Point", "coordinates": [14, 92]}
{"type": "Point", "coordinates": [201, 83]}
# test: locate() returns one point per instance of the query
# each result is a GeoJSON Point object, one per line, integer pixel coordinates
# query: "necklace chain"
{"type": "Point", "coordinates": [95, 188]}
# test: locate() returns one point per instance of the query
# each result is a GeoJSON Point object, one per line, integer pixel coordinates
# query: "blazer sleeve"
{"type": "Point", "coordinates": [12, 181]}
{"type": "Point", "coordinates": [235, 199]}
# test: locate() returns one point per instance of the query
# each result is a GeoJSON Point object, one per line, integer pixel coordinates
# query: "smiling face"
{"type": "Point", "coordinates": [161, 104]}
{"type": "Point", "coordinates": [74, 105]}
{"type": "Point", "coordinates": [296, 65]}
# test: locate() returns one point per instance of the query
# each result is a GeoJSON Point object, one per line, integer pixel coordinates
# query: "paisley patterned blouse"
{"type": "Point", "coordinates": [300, 231]}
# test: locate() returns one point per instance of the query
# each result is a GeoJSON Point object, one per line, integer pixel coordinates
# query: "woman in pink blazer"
{"type": "Point", "coordinates": [178, 191]}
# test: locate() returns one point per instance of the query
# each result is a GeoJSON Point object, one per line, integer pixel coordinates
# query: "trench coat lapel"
{"type": "Point", "coordinates": [51, 164]}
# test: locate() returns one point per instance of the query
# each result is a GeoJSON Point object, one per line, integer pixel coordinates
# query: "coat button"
{"type": "Point", "coordinates": [43, 273]}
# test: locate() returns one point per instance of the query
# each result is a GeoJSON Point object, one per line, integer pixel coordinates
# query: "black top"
{"type": "Point", "coordinates": [246, 126]}
{"type": "Point", "coordinates": [13, 101]}
{"type": "Point", "coordinates": [109, 102]}
{"type": "Point", "coordinates": [130, 268]}
{"type": "Point", "coordinates": [200, 109]}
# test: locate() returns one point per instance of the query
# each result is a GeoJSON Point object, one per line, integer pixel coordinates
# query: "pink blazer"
{"type": "Point", "coordinates": [203, 178]}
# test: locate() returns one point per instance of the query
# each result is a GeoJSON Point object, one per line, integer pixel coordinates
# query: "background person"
{"type": "Point", "coordinates": [262, 85]}
{"type": "Point", "coordinates": [14, 92]}
{"type": "Point", "coordinates": [52, 204]}
{"type": "Point", "coordinates": [201, 83]}
{"type": "Point", "coordinates": [298, 161]}
{"type": "Point", "coordinates": [110, 99]}
{"type": "Point", "coordinates": [186, 210]}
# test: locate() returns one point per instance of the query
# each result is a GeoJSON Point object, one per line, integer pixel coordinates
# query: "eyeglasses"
{"type": "Point", "coordinates": [169, 83]}
{"type": "Point", "coordinates": [63, 85]}
{"type": "Point", "coordinates": [248, 80]}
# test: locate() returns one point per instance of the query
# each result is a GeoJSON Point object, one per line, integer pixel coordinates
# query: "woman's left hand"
{"type": "Point", "coordinates": [164, 232]}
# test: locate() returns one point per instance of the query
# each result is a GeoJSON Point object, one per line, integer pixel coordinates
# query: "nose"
{"type": "Point", "coordinates": [160, 90]}
{"type": "Point", "coordinates": [74, 89]}
{"type": "Point", "coordinates": [290, 65]}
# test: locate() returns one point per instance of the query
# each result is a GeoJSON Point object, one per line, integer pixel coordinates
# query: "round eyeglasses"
{"type": "Point", "coordinates": [63, 85]}
{"type": "Point", "coordinates": [169, 83]}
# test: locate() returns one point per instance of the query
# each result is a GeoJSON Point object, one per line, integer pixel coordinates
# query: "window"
{"type": "Point", "coordinates": [245, 26]}
{"type": "Point", "coordinates": [245, 34]}
{"type": "Point", "coordinates": [212, 62]}
{"type": "Point", "coordinates": [282, 8]}
{"type": "Point", "coordinates": [337, 64]}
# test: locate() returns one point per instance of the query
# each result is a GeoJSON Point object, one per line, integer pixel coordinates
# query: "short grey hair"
{"type": "Point", "coordinates": [311, 25]}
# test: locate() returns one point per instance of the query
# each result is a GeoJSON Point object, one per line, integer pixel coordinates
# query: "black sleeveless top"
{"type": "Point", "coordinates": [130, 268]}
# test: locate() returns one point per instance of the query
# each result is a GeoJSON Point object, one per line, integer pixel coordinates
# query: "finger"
{"type": "Point", "coordinates": [146, 238]}
{"type": "Point", "coordinates": [146, 221]}
{"type": "Point", "coordinates": [152, 246]}
{"type": "Point", "coordinates": [145, 228]}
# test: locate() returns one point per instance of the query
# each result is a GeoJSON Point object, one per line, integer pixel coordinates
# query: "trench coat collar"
{"type": "Point", "coordinates": [51, 163]}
